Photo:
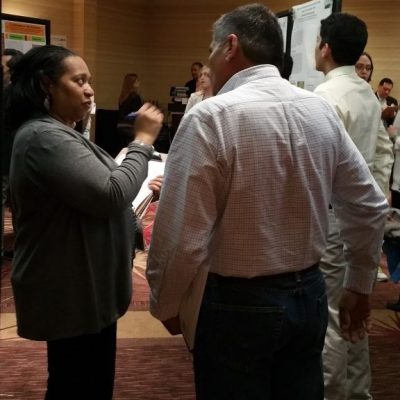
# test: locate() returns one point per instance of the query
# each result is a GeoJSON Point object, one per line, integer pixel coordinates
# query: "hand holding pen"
{"type": "Point", "coordinates": [148, 122]}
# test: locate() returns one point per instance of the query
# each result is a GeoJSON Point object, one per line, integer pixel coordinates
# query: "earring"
{"type": "Point", "coordinates": [46, 103]}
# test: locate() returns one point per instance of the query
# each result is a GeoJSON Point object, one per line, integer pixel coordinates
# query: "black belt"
{"type": "Point", "coordinates": [297, 275]}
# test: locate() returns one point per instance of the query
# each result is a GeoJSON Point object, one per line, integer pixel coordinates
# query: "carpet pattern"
{"type": "Point", "coordinates": [160, 369]}
{"type": "Point", "coordinates": [146, 370]}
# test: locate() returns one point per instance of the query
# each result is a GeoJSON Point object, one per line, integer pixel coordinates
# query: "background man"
{"type": "Point", "coordinates": [194, 70]}
{"type": "Point", "coordinates": [248, 181]}
{"type": "Point", "coordinates": [388, 103]}
{"type": "Point", "coordinates": [342, 40]}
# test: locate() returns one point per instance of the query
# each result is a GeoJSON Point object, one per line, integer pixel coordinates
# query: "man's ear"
{"type": "Point", "coordinates": [326, 50]}
{"type": "Point", "coordinates": [232, 47]}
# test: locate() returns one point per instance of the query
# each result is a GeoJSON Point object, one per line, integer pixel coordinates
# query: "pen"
{"type": "Point", "coordinates": [132, 115]}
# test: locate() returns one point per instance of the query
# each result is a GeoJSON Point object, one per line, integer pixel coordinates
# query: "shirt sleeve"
{"type": "Point", "coordinates": [328, 95]}
{"type": "Point", "coordinates": [185, 217]}
{"type": "Point", "coordinates": [85, 178]}
{"type": "Point", "coordinates": [383, 160]}
{"type": "Point", "coordinates": [193, 100]}
{"type": "Point", "coordinates": [360, 208]}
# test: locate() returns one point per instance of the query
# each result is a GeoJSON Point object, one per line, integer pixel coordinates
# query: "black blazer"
{"type": "Point", "coordinates": [389, 100]}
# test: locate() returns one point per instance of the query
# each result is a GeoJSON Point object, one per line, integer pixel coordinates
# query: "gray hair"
{"type": "Point", "coordinates": [258, 31]}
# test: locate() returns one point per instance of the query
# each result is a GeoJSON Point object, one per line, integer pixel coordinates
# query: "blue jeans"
{"type": "Point", "coordinates": [261, 338]}
{"type": "Point", "coordinates": [391, 247]}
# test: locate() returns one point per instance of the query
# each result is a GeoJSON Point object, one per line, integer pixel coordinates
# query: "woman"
{"type": "Point", "coordinates": [129, 102]}
{"type": "Point", "coordinates": [205, 89]}
{"type": "Point", "coordinates": [129, 99]}
{"type": "Point", "coordinates": [74, 224]}
{"type": "Point", "coordinates": [365, 67]}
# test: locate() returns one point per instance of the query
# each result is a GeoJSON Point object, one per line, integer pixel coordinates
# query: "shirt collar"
{"type": "Point", "coordinates": [248, 75]}
{"type": "Point", "coordinates": [344, 70]}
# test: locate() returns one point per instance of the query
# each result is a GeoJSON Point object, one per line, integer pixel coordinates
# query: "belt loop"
{"type": "Point", "coordinates": [297, 276]}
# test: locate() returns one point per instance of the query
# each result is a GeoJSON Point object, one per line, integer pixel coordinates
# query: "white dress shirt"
{"type": "Point", "coordinates": [360, 112]}
{"type": "Point", "coordinates": [247, 185]}
{"type": "Point", "coordinates": [194, 98]}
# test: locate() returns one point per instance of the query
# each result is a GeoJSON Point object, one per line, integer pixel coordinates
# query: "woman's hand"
{"type": "Point", "coordinates": [148, 123]}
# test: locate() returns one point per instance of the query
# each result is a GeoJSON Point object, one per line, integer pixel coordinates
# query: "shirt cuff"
{"type": "Point", "coordinates": [164, 311]}
{"type": "Point", "coordinates": [360, 281]}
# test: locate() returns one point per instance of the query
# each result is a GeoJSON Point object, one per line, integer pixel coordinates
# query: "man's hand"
{"type": "Point", "coordinates": [155, 185]}
{"type": "Point", "coordinates": [354, 315]}
{"type": "Point", "coordinates": [173, 325]}
{"type": "Point", "coordinates": [389, 112]}
{"type": "Point", "coordinates": [392, 131]}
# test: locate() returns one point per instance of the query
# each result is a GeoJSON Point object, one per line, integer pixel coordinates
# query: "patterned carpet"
{"type": "Point", "coordinates": [160, 368]}
{"type": "Point", "coordinates": [146, 369]}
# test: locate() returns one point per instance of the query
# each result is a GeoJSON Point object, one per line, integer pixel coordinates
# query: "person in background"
{"type": "Point", "coordinates": [341, 42]}
{"type": "Point", "coordinates": [194, 70]}
{"type": "Point", "coordinates": [364, 69]}
{"type": "Point", "coordinates": [395, 188]}
{"type": "Point", "coordinates": [391, 245]}
{"type": "Point", "coordinates": [245, 198]}
{"type": "Point", "coordinates": [205, 89]}
{"type": "Point", "coordinates": [75, 228]}
{"type": "Point", "coordinates": [129, 101]}
{"type": "Point", "coordinates": [388, 104]}
{"type": "Point", "coordinates": [8, 60]}
{"type": "Point", "coordinates": [155, 185]}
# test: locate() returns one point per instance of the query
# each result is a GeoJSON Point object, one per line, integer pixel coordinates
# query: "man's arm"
{"type": "Point", "coordinates": [360, 207]}
{"type": "Point", "coordinates": [185, 217]}
{"type": "Point", "coordinates": [383, 159]}
{"type": "Point", "coordinates": [361, 222]}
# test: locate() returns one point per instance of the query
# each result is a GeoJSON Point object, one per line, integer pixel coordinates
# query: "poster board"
{"type": "Point", "coordinates": [285, 19]}
{"type": "Point", "coordinates": [23, 33]}
{"type": "Point", "coordinates": [303, 23]}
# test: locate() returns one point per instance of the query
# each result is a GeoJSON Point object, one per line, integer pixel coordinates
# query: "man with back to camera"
{"type": "Point", "coordinates": [342, 40]}
{"type": "Point", "coordinates": [245, 198]}
{"type": "Point", "coordinates": [388, 103]}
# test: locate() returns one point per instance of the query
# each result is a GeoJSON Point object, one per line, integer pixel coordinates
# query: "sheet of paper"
{"type": "Point", "coordinates": [121, 155]}
{"type": "Point", "coordinates": [306, 25]}
{"type": "Point", "coordinates": [155, 169]}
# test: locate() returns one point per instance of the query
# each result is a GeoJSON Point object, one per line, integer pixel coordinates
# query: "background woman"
{"type": "Point", "coordinates": [205, 89]}
{"type": "Point", "coordinates": [365, 67]}
{"type": "Point", "coordinates": [74, 224]}
{"type": "Point", "coordinates": [129, 101]}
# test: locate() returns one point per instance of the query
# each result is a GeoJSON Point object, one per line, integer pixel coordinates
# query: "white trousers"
{"type": "Point", "coordinates": [347, 373]}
